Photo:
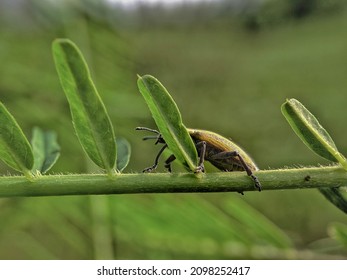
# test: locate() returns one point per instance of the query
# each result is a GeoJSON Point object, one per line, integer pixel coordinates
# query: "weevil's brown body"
{"type": "Point", "coordinates": [216, 144]}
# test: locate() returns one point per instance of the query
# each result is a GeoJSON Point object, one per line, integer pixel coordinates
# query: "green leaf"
{"type": "Point", "coordinates": [15, 149]}
{"type": "Point", "coordinates": [168, 120]}
{"type": "Point", "coordinates": [91, 121]}
{"type": "Point", "coordinates": [45, 148]}
{"type": "Point", "coordinates": [336, 197]}
{"type": "Point", "coordinates": [123, 153]}
{"type": "Point", "coordinates": [309, 130]}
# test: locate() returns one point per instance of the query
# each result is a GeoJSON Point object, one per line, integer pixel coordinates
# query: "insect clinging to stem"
{"type": "Point", "coordinates": [218, 150]}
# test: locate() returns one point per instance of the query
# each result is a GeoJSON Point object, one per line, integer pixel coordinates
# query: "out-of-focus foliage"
{"type": "Point", "coordinates": [223, 78]}
{"type": "Point", "coordinates": [272, 12]}
{"type": "Point", "coordinates": [46, 150]}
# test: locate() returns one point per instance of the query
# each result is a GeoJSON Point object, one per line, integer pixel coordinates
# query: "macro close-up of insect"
{"type": "Point", "coordinates": [164, 132]}
{"type": "Point", "coordinates": [212, 147]}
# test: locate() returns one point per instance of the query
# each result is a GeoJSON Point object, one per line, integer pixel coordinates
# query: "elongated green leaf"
{"type": "Point", "coordinates": [45, 148]}
{"type": "Point", "coordinates": [91, 121]}
{"type": "Point", "coordinates": [15, 149]}
{"type": "Point", "coordinates": [123, 153]}
{"type": "Point", "coordinates": [309, 130]}
{"type": "Point", "coordinates": [168, 120]}
{"type": "Point", "coordinates": [336, 197]}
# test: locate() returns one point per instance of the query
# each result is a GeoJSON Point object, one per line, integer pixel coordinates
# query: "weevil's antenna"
{"type": "Point", "coordinates": [147, 129]}
{"type": "Point", "coordinates": [159, 138]}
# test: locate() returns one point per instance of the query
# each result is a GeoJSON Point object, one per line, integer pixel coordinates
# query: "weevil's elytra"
{"type": "Point", "coordinates": [218, 150]}
{"type": "Point", "coordinates": [221, 152]}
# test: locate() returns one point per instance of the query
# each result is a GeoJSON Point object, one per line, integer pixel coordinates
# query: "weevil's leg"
{"type": "Point", "coordinates": [256, 182]}
{"type": "Point", "coordinates": [225, 155]}
{"type": "Point", "coordinates": [168, 162]}
{"type": "Point", "coordinates": [200, 167]}
{"type": "Point", "coordinates": [155, 165]}
{"type": "Point", "coordinates": [202, 146]}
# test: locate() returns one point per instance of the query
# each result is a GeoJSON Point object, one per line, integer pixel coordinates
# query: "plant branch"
{"type": "Point", "coordinates": [99, 184]}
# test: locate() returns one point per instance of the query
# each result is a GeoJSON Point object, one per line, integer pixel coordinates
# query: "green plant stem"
{"type": "Point", "coordinates": [98, 184]}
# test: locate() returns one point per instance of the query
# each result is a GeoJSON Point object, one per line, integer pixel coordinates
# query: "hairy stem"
{"type": "Point", "coordinates": [87, 184]}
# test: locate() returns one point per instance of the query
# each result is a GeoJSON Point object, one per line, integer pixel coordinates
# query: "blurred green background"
{"type": "Point", "coordinates": [229, 65]}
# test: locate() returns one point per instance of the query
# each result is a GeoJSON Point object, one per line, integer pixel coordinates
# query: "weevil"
{"type": "Point", "coordinates": [218, 150]}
